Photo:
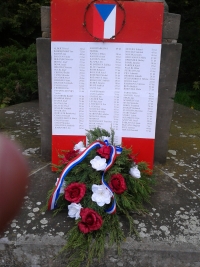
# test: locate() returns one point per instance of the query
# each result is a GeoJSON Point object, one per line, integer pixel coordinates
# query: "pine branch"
{"type": "Point", "coordinates": [83, 248]}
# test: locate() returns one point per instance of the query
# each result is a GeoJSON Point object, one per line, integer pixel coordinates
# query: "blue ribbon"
{"type": "Point", "coordinates": [114, 150]}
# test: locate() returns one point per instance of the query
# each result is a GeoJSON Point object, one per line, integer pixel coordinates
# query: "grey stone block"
{"type": "Point", "coordinates": [169, 41]}
{"type": "Point", "coordinates": [170, 60]}
{"type": "Point", "coordinates": [44, 86]}
{"type": "Point", "coordinates": [45, 19]}
{"type": "Point", "coordinates": [163, 122]}
{"type": "Point", "coordinates": [169, 68]}
{"type": "Point", "coordinates": [46, 35]}
{"type": "Point", "coordinates": [171, 26]}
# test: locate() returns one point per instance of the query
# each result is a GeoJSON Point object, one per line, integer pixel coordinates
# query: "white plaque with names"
{"type": "Point", "coordinates": [106, 85]}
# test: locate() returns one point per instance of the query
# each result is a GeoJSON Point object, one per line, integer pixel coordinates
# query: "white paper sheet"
{"type": "Point", "coordinates": [106, 85]}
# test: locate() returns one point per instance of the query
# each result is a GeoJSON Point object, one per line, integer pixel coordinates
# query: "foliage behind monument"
{"type": "Point", "coordinates": [189, 36]}
{"type": "Point", "coordinates": [20, 21]}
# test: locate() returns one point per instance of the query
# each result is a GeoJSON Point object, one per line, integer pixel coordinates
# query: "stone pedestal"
{"type": "Point", "coordinates": [169, 68]}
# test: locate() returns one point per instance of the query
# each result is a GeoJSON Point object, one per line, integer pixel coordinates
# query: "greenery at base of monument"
{"type": "Point", "coordinates": [98, 196]}
{"type": "Point", "coordinates": [18, 75]}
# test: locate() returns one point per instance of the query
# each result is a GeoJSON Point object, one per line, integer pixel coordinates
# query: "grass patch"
{"type": "Point", "coordinates": [18, 75]}
{"type": "Point", "coordinates": [188, 97]}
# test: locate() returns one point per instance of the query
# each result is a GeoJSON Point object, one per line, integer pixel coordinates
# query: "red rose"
{"type": "Point", "coordinates": [104, 151]}
{"type": "Point", "coordinates": [74, 192]}
{"type": "Point", "coordinates": [117, 183]}
{"type": "Point", "coordinates": [69, 156]}
{"type": "Point", "coordinates": [91, 220]}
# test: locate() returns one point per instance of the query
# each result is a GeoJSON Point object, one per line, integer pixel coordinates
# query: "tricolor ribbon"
{"type": "Point", "coordinates": [78, 159]}
{"type": "Point", "coordinates": [113, 155]}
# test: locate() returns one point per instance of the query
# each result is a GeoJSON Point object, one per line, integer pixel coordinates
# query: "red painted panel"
{"type": "Point", "coordinates": [64, 142]}
{"type": "Point", "coordinates": [143, 22]}
{"type": "Point", "coordinates": [98, 24]}
{"type": "Point", "coordinates": [144, 148]}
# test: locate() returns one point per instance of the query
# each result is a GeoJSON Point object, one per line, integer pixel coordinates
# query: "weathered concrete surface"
{"type": "Point", "coordinates": [46, 21]}
{"type": "Point", "coordinates": [169, 234]}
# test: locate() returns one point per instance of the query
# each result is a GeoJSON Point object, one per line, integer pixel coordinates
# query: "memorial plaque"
{"type": "Point", "coordinates": [98, 81]}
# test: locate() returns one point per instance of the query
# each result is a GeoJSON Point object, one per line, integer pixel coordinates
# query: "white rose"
{"type": "Point", "coordinates": [134, 172]}
{"type": "Point", "coordinates": [98, 163]}
{"type": "Point", "coordinates": [101, 195]}
{"type": "Point", "coordinates": [74, 210]}
{"type": "Point", "coordinates": [80, 146]}
{"type": "Point", "coordinates": [62, 189]}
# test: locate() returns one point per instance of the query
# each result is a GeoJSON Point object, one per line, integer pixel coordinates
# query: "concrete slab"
{"type": "Point", "coordinates": [169, 234]}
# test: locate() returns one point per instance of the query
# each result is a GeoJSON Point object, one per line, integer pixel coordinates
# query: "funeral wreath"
{"type": "Point", "coordinates": [98, 184]}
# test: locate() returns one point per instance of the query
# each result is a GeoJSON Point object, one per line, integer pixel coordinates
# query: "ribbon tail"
{"type": "Point", "coordinates": [54, 197]}
{"type": "Point", "coordinates": [112, 209]}
{"type": "Point", "coordinates": [111, 161]}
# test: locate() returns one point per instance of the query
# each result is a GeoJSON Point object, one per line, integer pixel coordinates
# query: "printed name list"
{"type": "Point", "coordinates": [106, 85]}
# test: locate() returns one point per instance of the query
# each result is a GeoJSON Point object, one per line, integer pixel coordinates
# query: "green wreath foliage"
{"type": "Point", "coordinates": [82, 247]}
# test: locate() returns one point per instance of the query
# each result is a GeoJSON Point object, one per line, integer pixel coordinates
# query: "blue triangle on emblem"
{"type": "Point", "coordinates": [104, 10]}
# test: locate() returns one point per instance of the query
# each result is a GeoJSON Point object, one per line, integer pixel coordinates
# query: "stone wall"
{"type": "Point", "coordinates": [169, 68]}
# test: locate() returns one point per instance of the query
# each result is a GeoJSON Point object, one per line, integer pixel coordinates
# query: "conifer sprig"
{"type": "Point", "coordinates": [83, 248]}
